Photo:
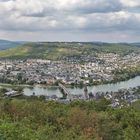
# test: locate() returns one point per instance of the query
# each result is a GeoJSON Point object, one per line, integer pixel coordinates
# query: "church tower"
{"type": "Point", "coordinates": [85, 92]}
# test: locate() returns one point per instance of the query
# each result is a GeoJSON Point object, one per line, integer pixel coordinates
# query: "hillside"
{"type": "Point", "coordinates": [136, 44]}
{"type": "Point", "coordinates": [5, 44]}
{"type": "Point", "coordinates": [35, 119]}
{"type": "Point", "coordinates": [57, 50]}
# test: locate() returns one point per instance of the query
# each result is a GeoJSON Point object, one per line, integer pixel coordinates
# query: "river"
{"type": "Point", "coordinates": [40, 90]}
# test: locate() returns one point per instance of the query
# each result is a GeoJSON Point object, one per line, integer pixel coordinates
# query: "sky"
{"type": "Point", "coordinates": [70, 20]}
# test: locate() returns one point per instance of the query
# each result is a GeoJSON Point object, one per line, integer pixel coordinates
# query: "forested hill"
{"type": "Point", "coordinates": [5, 44]}
{"type": "Point", "coordinates": [35, 119]}
{"type": "Point", "coordinates": [136, 44]}
{"type": "Point", "coordinates": [57, 50]}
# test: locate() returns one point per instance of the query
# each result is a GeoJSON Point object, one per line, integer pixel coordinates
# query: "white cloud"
{"type": "Point", "coordinates": [130, 3]}
{"type": "Point", "coordinates": [94, 16]}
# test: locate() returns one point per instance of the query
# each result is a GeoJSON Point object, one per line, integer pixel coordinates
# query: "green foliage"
{"type": "Point", "coordinates": [56, 50]}
{"type": "Point", "coordinates": [39, 120]}
{"type": "Point", "coordinates": [125, 74]}
{"type": "Point", "coordinates": [2, 91]}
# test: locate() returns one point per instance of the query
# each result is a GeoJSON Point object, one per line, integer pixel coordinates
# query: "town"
{"type": "Point", "coordinates": [90, 69]}
{"type": "Point", "coordinates": [72, 71]}
{"type": "Point", "coordinates": [118, 99]}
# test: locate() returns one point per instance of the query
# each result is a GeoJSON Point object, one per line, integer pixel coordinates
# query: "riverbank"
{"type": "Point", "coordinates": [71, 85]}
{"type": "Point", "coordinates": [54, 90]}
{"type": "Point", "coordinates": [39, 90]}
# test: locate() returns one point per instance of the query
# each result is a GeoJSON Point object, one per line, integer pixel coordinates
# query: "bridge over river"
{"type": "Point", "coordinates": [41, 90]}
{"type": "Point", "coordinates": [65, 92]}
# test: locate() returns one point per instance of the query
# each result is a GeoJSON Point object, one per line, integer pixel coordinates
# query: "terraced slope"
{"type": "Point", "coordinates": [58, 50]}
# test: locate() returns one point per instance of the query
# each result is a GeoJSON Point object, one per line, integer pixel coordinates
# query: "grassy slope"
{"type": "Point", "coordinates": [57, 50]}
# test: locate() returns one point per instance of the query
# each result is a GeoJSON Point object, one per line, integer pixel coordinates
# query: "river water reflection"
{"type": "Point", "coordinates": [39, 90]}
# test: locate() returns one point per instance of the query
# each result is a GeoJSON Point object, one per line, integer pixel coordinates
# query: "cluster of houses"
{"type": "Point", "coordinates": [69, 70]}
{"type": "Point", "coordinates": [121, 98]}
